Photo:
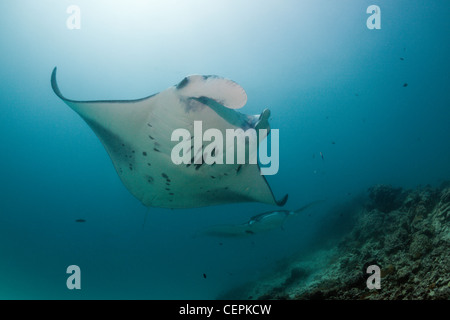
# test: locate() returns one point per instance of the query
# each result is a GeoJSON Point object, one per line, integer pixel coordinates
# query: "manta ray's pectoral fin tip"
{"type": "Point", "coordinates": [283, 201]}
{"type": "Point", "coordinates": [55, 85]}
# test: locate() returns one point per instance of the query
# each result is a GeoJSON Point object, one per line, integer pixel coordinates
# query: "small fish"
{"type": "Point", "coordinates": [405, 84]}
{"type": "Point", "coordinates": [321, 155]}
{"type": "Point", "coordinates": [204, 275]}
{"type": "Point", "coordinates": [402, 58]}
{"type": "Point", "coordinates": [80, 220]}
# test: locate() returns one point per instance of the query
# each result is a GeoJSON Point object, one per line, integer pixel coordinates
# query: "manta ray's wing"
{"type": "Point", "coordinates": [137, 136]}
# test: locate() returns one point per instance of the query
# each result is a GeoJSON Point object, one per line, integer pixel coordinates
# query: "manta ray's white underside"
{"type": "Point", "coordinates": [137, 136]}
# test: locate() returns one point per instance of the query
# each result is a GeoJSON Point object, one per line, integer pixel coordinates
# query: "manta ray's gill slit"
{"type": "Point", "coordinates": [151, 138]}
{"type": "Point", "coordinates": [149, 124]}
{"type": "Point", "coordinates": [154, 149]}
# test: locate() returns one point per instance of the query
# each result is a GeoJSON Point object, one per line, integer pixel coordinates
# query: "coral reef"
{"type": "Point", "coordinates": [405, 232]}
{"type": "Point", "coordinates": [384, 197]}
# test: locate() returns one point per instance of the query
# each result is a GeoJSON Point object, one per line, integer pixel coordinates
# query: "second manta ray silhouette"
{"type": "Point", "coordinates": [262, 222]}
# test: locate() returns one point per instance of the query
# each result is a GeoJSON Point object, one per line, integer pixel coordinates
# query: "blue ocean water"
{"type": "Point", "coordinates": [375, 103]}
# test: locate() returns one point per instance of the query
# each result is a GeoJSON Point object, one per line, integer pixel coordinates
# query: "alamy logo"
{"type": "Point", "coordinates": [191, 149]}
{"type": "Point", "coordinates": [373, 281]}
{"type": "Point", "coordinates": [74, 20]}
{"type": "Point", "coordinates": [74, 280]}
{"type": "Point", "coordinates": [374, 21]}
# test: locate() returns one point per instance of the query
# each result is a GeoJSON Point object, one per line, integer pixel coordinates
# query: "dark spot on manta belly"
{"type": "Point", "coordinates": [171, 193]}
{"type": "Point", "coordinates": [165, 175]}
{"type": "Point", "coordinates": [144, 153]}
{"type": "Point", "coordinates": [183, 83]}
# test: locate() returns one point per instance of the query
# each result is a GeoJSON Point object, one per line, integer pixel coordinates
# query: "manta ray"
{"type": "Point", "coordinates": [137, 137]}
{"type": "Point", "coordinates": [260, 223]}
